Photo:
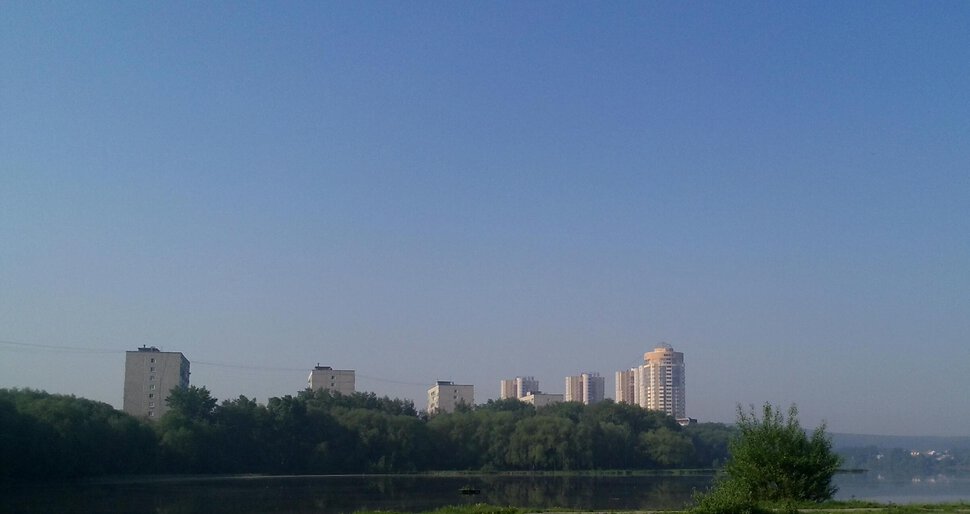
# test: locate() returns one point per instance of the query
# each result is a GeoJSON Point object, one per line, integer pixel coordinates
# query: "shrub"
{"type": "Point", "coordinates": [772, 460]}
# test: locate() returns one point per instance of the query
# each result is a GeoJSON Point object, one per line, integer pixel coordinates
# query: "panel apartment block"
{"type": "Point", "coordinates": [341, 381]}
{"type": "Point", "coordinates": [444, 396]}
{"type": "Point", "coordinates": [150, 374]}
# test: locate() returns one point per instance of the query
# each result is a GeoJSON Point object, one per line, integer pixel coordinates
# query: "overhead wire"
{"type": "Point", "coordinates": [52, 347]}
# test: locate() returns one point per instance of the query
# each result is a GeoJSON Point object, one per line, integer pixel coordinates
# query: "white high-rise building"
{"type": "Point", "coordinates": [150, 375]}
{"type": "Point", "coordinates": [444, 396]}
{"type": "Point", "coordinates": [659, 384]}
{"type": "Point", "coordinates": [626, 386]}
{"type": "Point", "coordinates": [342, 381]}
{"type": "Point", "coordinates": [587, 388]}
{"type": "Point", "coordinates": [518, 387]}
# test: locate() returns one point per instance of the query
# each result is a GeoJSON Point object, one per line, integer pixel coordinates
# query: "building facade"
{"type": "Point", "coordinates": [518, 387]}
{"type": "Point", "coordinates": [626, 386]}
{"type": "Point", "coordinates": [445, 395]}
{"type": "Point", "coordinates": [150, 375]}
{"type": "Point", "coordinates": [541, 399]}
{"type": "Point", "coordinates": [341, 381]}
{"type": "Point", "coordinates": [664, 381]}
{"type": "Point", "coordinates": [587, 388]}
{"type": "Point", "coordinates": [659, 384]}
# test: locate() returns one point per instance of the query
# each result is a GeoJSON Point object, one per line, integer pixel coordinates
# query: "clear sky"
{"type": "Point", "coordinates": [472, 191]}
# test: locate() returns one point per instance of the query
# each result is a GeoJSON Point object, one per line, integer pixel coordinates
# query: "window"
{"type": "Point", "coordinates": [151, 404]}
{"type": "Point", "coordinates": [153, 360]}
{"type": "Point", "coordinates": [152, 387]}
{"type": "Point", "coordinates": [152, 377]}
{"type": "Point", "coordinates": [151, 414]}
{"type": "Point", "coordinates": [152, 369]}
{"type": "Point", "coordinates": [151, 395]}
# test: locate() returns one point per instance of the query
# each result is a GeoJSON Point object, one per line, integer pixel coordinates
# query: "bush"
{"type": "Point", "coordinates": [772, 460]}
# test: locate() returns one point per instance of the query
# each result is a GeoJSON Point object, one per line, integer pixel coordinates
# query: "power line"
{"type": "Point", "coordinates": [52, 347]}
{"type": "Point", "coordinates": [243, 366]}
{"type": "Point", "coordinates": [58, 347]}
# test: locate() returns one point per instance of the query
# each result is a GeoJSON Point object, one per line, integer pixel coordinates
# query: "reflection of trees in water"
{"type": "Point", "coordinates": [592, 492]}
{"type": "Point", "coordinates": [351, 493]}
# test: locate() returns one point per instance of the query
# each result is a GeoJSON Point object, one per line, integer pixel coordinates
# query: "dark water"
{"type": "Point", "coordinates": [345, 494]}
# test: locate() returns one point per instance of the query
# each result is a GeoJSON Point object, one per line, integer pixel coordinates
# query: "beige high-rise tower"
{"type": "Point", "coordinates": [659, 384]}
{"type": "Point", "coordinates": [662, 381]}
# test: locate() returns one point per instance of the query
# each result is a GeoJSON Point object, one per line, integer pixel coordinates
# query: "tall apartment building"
{"type": "Point", "coordinates": [150, 374]}
{"type": "Point", "coordinates": [518, 387]}
{"type": "Point", "coordinates": [444, 396]}
{"type": "Point", "coordinates": [659, 384]}
{"type": "Point", "coordinates": [664, 381]}
{"type": "Point", "coordinates": [626, 386]}
{"type": "Point", "coordinates": [342, 381]}
{"type": "Point", "coordinates": [587, 388]}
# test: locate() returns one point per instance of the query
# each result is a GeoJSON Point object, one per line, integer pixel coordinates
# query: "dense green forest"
{"type": "Point", "coordinates": [46, 436]}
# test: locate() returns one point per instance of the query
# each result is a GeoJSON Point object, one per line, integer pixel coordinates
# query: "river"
{"type": "Point", "coordinates": [411, 493]}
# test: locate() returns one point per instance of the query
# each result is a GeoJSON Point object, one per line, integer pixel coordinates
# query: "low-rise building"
{"type": "Point", "coordinates": [541, 399]}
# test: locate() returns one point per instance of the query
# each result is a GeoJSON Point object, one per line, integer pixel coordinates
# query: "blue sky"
{"type": "Point", "coordinates": [464, 191]}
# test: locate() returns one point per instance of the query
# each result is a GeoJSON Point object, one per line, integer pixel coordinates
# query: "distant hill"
{"type": "Point", "coordinates": [921, 443]}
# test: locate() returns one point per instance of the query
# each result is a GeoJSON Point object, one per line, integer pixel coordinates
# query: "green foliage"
{"type": "Point", "coordinates": [772, 460]}
{"type": "Point", "coordinates": [45, 436]}
{"type": "Point", "coordinates": [667, 447]}
{"type": "Point", "coordinates": [724, 498]}
{"type": "Point", "coordinates": [192, 403]}
{"type": "Point", "coordinates": [775, 459]}
{"type": "Point", "coordinates": [319, 432]}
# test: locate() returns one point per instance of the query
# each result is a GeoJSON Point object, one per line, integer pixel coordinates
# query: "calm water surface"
{"type": "Point", "coordinates": [345, 494]}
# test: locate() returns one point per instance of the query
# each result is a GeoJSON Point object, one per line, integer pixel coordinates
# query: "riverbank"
{"type": "Point", "coordinates": [826, 508]}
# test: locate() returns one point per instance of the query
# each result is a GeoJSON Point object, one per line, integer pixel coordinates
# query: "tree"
{"type": "Point", "coordinates": [193, 403]}
{"type": "Point", "coordinates": [667, 447]}
{"type": "Point", "coordinates": [772, 459]}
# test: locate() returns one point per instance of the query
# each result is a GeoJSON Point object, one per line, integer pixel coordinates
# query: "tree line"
{"type": "Point", "coordinates": [45, 436]}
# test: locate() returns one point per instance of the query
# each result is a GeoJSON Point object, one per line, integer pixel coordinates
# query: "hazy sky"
{"type": "Point", "coordinates": [472, 191]}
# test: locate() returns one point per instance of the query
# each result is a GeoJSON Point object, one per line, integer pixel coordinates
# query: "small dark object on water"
{"type": "Point", "coordinates": [470, 490]}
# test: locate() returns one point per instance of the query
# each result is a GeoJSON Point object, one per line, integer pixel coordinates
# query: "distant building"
{"type": "Point", "coordinates": [587, 388]}
{"type": "Point", "coordinates": [150, 374]}
{"type": "Point", "coordinates": [444, 396]}
{"type": "Point", "coordinates": [518, 387]}
{"type": "Point", "coordinates": [337, 380]}
{"type": "Point", "coordinates": [626, 386]}
{"type": "Point", "coordinates": [659, 384]}
{"type": "Point", "coordinates": [541, 399]}
{"type": "Point", "coordinates": [664, 381]}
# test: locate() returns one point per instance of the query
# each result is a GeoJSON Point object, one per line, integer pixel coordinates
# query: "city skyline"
{"type": "Point", "coordinates": [440, 191]}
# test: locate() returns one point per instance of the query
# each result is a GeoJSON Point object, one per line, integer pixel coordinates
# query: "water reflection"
{"type": "Point", "coordinates": [346, 494]}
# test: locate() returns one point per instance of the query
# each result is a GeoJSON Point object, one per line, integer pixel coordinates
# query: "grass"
{"type": "Point", "coordinates": [833, 507]}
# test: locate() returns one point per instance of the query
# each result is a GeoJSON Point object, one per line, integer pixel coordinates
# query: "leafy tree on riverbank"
{"type": "Point", "coordinates": [773, 460]}
{"type": "Point", "coordinates": [47, 436]}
